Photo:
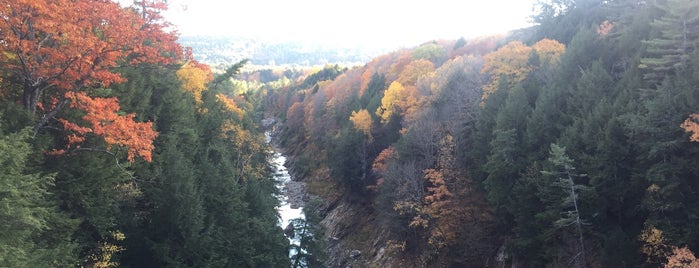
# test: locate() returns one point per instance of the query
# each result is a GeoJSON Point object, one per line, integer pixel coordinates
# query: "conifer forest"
{"type": "Point", "coordinates": [573, 142]}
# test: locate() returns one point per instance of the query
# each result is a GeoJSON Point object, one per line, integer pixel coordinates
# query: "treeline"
{"type": "Point", "coordinates": [569, 146]}
{"type": "Point", "coordinates": [118, 149]}
{"type": "Point", "coordinates": [217, 50]}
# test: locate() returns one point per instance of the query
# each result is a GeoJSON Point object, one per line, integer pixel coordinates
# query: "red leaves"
{"type": "Point", "coordinates": [59, 48]}
{"type": "Point", "coordinates": [76, 43]}
{"type": "Point", "coordinates": [103, 120]}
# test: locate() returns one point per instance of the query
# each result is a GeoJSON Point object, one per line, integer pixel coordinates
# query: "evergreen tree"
{"type": "Point", "coordinates": [678, 30]}
{"type": "Point", "coordinates": [33, 232]}
{"type": "Point", "coordinates": [505, 160]}
{"type": "Point", "coordinates": [561, 195]}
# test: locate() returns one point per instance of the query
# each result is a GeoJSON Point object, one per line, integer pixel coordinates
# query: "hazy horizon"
{"type": "Point", "coordinates": [361, 23]}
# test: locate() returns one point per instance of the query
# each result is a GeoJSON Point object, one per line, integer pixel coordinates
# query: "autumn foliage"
{"type": "Point", "coordinates": [194, 77]}
{"type": "Point", "coordinates": [230, 106]}
{"type": "Point", "coordinates": [362, 121]}
{"type": "Point", "coordinates": [103, 119]}
{"type": "Point", "coordinates": [658, 250]}
{"type": "Point", "coordinates": [61, 46]}
{"type": "Point", "coordinates": [59, 50]}
{"type": "Point", "coordinates": [691, 125]}
{"type": "Point", "coordinates": [512, 62]}
{"type": "Point", "coordinates": [397, 99]}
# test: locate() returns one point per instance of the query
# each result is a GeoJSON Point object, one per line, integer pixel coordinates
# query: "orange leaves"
{"type": "Point", "coordinates": [62, 45]}
{"type": "Point", "coordinates": [230, 106]}
{"type": "Point", "coordinates": [438, 190]}
{"type": "Point", "coordinates": [381, 162]}
{"type": "Point", "coordinates": [605, 28]}
{"type": "Point", "coordinates": [658, 250]}
{"type": "Point", "coordinates": [682, 257]}
{"type": "Point", "coordinates": [691, 125]}
{"type": "Point", "coordinates": [101, 114]}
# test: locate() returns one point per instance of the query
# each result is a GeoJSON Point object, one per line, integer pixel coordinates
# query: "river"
{"type": "Point", "coordinates": [290, 202]}
{"type": "Point", "coordinates": [287, 211]}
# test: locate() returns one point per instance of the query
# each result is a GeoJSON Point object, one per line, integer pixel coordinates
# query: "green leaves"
{"type": "Point", "coordinates": [678, 37]}
{"type": "Point", "coordinates": [27, 211]}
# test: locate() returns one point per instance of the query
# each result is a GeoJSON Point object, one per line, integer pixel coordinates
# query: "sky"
{"type": "Point", "coordinates": [349, 22]}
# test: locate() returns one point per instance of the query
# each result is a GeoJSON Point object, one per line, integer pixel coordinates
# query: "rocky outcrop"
{"type": "Point", "coordinates": [352, 235]}
{"type": "Point", "coordinates": [295, 192]}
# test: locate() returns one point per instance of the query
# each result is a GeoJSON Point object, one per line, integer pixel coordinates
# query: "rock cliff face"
{"type": "Point", "coordinates": [352, 237]}
{"type": "Point", "coordinates": [352, 234]}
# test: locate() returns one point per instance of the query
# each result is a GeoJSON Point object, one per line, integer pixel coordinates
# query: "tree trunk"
{"type": "Point", "coordinates": [578, 222]}
{"type": "Point", "coordinates": [30, 96]}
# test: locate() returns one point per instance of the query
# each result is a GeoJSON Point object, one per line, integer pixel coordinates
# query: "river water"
{"type": "Point", "coordinates": [281, 175]}
{"type": "Point", "coordinates": [287, 209]}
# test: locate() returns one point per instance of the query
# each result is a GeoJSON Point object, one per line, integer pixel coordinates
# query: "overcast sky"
{"type": "Point", "coordinates": [353, 22]}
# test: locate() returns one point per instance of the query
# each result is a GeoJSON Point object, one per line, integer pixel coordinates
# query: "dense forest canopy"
{"type": "Point", "coordinates": [119, 149]}
{"type": "Point", "coordinates": [573, 143]}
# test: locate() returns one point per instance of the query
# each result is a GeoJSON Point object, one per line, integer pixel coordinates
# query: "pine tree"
{"type": "Point", "coordinates": [505, 159]}
{"type": "Point", "coordinates": [33, 233]}
{"type": "Point", "coordinates": [678, 29]}
{"type": "Point", "coordinates": [568, 203]}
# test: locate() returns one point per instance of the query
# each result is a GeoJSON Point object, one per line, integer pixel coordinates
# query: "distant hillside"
{"type": "Point", "coordinates": [217, 50]}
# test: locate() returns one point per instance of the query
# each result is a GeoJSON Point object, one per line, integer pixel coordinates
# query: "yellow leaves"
{"type": "Point", "coordinates": [234, 132]}
{"type": "Point", "coordinates": [691, 125]}
{"type": "Point", "coordinates": [194, 78]}
{"type": "Point", "coordinates": [419, 221]}
{"type": "Point", "coordinates": [390, 99]}
{"type": "Point", "coordinates": [415, 70]}
{"type": "Point", "coordinates": [549, 51]}
{"type": "Point", "coordinates": [512, 62]}
{"type": "Point", "coordinates": [106, 249]}
{"type": "Point", "coordinates": [397, 98]}
{"type": "Point", "coordinates": [230, 106]}
{"type": "Point", "coordinates": [394, 247]}
{"type": "Point", "coordinates": [238, 136]}
{"type": "Point", "coordinates": [408, 208]}
{"type": "Point", "coordinates": [657, 250]}
{"type": "Point", "coordinates": [362, 122]}
{"type": "Point", "coordinates": [653, 242]}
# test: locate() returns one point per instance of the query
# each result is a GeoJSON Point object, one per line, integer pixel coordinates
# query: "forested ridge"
{"type": "Point", "coordinates": [117, 148]}
{"type": "Point", "coordinates": [569, 144]}
{"type": "Point", "coordinates": [573, 143]}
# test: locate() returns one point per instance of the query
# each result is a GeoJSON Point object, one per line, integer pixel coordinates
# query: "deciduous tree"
{"type": "Point", "coordinates": [194, 77]}
{"type": "Point", "coordinates": [103, 119]}
{"type": "Point", "coordinates": [510, 61]}
{"type": "Point", "coordinates": [59, 50]}
{"type": "Point", "coordinates": [691, 125]}
{"type": "Point", "coordinates": [362, 122]}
